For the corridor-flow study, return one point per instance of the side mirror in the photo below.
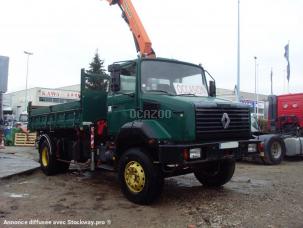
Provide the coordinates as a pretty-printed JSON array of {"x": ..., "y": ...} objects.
[
  {"x": 115, "y": 81},
  {"x": 212, "y": 88}
]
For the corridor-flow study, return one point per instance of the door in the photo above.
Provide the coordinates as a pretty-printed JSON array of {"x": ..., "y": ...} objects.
[{"x": 122, "y": 103}]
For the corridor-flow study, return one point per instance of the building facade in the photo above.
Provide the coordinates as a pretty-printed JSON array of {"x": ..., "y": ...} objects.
[
  {"x": 257, "y": 102},
  {"x": 39, "y": 97}
]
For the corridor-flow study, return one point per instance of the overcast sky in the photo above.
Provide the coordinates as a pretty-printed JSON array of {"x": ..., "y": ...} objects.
[{"x": 64, "y": 34}]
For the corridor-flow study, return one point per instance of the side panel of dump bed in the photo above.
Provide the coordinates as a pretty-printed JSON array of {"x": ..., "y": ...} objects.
[
  {"x": 91, "y": 107},
  {"x": 66, "y": 115}
]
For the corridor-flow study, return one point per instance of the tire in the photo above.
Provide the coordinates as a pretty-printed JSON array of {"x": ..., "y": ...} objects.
[
  {"x": 47, "y": 158},
  {"x": 141, "y": 181},
  {"x": 274, "y": 151},
  {"x": 216, "y": 174}
]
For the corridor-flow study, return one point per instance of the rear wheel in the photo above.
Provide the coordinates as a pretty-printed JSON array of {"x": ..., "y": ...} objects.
[
  {"x": 141, "y": 181},
  {"x": 274, "y": 151},
  {"x": 217, "y": 173},
  {"x": 47, "y": 158},
  {"x": 48, "y": 161}
]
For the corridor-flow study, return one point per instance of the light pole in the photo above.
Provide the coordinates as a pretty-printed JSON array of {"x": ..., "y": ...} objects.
[
  {"x": 257, "y": 89},
  {"x": 28, "y": 55},
  {"x": 255, "y": 84},
  {"x": 238, "y": 62}
]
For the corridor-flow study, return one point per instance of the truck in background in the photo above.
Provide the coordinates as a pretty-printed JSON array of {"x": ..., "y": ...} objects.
[
  {"x": 8, "y": 117},
  {"x": 23, "y": 119},
  {"x": 285, "y": 129}
]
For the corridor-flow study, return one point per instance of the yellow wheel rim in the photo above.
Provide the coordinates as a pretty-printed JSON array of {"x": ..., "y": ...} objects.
[
  {"x": 134, "y": 176},
  {"x": 44, "y": 157}
]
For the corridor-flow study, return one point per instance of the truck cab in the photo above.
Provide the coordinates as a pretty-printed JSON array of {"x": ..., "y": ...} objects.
[
  {"x": 172, "y": 97},
  {"x": 284, "y": 135}
]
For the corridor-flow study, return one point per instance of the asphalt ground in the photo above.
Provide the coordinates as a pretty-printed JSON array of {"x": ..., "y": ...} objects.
[{"x": 257, "y": 196}]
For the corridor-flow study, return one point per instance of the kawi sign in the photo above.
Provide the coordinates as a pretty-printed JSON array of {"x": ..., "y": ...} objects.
[{"x": 64, "y": 94}]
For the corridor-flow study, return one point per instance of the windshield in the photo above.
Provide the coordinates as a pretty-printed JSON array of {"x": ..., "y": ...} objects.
[{"x": 172, "y": 78}]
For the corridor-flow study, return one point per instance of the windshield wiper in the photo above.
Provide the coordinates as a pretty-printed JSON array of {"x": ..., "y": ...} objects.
[{"x": 158, "y": 90}]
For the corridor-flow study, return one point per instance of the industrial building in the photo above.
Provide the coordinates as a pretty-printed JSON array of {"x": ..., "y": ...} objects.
[
  {"x": 250, "y": 99},
  {"x": 17, "y": 101}
]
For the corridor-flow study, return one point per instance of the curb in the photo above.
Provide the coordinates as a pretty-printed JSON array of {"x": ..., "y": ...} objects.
[
  {"x": 29, "y": 171},
  {"x": 12, "y": 165}
]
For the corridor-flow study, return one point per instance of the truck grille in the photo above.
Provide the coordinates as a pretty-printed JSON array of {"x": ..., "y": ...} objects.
[{"x": 209, "y": 126}]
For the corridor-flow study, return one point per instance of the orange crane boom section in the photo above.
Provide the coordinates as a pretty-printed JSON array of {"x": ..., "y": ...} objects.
[{"x": 129, "y": 14}]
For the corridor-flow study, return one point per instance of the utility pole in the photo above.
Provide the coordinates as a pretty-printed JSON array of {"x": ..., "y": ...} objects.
[
  {"x": 1, "y": 121},
  {"x": 4, "y": 62},
  {"x": 255, "y": 84},
  {"x": 238, "y": 62},
  {"x": 1, "y": 107},
  {"x": 28, "y": 55},
  {"x": 271, "y": 89},
  {"x": 257, "y": 90}
]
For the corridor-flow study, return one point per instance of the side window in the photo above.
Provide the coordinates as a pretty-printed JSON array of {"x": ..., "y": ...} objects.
[
  {"x": 128, "y": 79},
  {"x": 128, "y": 82}
]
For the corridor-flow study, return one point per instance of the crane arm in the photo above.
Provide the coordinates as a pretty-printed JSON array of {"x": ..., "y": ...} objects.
[{"x": 129, "y": 14}]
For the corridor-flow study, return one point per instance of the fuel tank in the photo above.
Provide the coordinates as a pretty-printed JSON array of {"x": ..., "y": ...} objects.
[{"x": 294, "y": 146}]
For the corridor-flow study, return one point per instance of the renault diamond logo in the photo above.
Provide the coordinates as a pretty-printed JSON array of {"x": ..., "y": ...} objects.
[{"x": 225, "y": 120}]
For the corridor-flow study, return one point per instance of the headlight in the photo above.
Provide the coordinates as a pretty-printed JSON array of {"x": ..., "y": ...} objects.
[
  {"x": 195, "y": 153},
  {"x": 252, "y": 148}
]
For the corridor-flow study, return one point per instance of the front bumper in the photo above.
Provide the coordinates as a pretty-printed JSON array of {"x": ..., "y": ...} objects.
[{"x": 176, "y": 153}]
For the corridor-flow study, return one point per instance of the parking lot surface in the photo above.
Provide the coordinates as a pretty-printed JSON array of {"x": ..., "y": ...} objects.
[{"x": 257, "y": 196}]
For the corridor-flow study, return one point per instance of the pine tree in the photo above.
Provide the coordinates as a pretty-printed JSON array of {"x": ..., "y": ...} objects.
[{"x": 97, "y": 65}]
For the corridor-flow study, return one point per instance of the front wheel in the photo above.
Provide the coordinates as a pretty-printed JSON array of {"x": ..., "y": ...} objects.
[
  {"x": 141, "y": 181},
  {"x": 215, "y": 174}
]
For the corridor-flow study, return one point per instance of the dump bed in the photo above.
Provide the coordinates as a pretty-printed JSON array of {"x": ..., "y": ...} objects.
[{"x": 91, "y": 107}]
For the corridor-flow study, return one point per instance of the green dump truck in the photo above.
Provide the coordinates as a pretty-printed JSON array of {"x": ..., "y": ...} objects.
[{"x": 151, "y": 119}]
